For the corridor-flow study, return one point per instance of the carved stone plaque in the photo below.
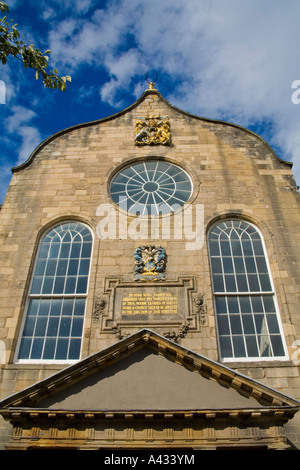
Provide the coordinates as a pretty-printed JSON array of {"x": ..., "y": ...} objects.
[{"x": 166, "y": 307}]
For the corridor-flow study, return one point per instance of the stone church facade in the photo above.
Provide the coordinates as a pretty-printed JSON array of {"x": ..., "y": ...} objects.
[{"x": 149, "y": 289}]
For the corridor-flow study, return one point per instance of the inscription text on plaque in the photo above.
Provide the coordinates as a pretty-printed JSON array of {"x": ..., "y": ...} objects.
[{"x": 149, "y": 303}]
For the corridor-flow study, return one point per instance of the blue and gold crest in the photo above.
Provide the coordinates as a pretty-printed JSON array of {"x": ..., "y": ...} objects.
[{"x": 150, "y": 263}]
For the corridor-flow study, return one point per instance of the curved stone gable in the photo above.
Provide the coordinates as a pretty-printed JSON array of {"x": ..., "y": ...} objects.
[{"x": 234, "y": 134}]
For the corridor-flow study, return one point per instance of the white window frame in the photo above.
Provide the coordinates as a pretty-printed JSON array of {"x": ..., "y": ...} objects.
[
  {"x": 228, "y": 294},
  {"x": 53, "y": 296}
]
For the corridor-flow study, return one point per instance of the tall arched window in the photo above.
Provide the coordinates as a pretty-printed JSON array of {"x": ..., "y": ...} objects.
[
  {"x": 247, "y": 316},
  {"x": 55, "y": 308}
]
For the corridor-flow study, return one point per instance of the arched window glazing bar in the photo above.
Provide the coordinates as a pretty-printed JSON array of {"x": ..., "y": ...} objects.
[
  {"x": 55, "y": 310},
  {"x": 248, "y": 323}
]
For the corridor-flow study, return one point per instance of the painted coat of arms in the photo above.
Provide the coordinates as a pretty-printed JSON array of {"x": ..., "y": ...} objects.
[
  {"x": 152, "y": 131},
  {"x": 150, "y": 263}
]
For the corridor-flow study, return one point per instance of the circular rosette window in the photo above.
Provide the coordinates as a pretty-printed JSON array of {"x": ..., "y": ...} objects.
[{"x": 150, "y": 188}]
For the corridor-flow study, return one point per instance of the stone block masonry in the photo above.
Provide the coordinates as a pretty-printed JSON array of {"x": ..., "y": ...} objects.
[{"x": 234, "y": 174}]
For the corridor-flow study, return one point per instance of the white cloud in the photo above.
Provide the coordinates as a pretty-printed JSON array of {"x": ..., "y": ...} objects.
[
  {"x": 108, "y": 91},
  {"x": 31, "y": 138},
  {"x": 28, "y": 136},
  {"x": 19, "y": 116},
  {"x": 75, "y": 41},
  {"x": 232, "y": 60},
  {"x": 5, "y": 177},
  {"x": 51, "y": 9},
  {"x": 121, "y": 69},
  {"x": 11, "y": 87}
]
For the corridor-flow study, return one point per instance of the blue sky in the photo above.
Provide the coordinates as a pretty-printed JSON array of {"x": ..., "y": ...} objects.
[{"x": 234, "y": 60}]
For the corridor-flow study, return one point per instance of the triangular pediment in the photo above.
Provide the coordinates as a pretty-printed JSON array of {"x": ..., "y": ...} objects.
[
  {"x": 144, "y": 381},
  {"x": 147, "y": 372}
]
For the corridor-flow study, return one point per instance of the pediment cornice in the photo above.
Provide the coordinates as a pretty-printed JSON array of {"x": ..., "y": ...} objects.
[{"x": 266, "y": 397}]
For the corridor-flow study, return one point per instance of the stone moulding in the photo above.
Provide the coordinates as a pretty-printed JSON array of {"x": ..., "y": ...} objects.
[
  {"x": 167, "y": 307},
  {"x": 37, "y": 425},
  {"x": 99, "y": 307},
  {"x": 39, "y": 416},
  {"x": 194, "y": 429}
]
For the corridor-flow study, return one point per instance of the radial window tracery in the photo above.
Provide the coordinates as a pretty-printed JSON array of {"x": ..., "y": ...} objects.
[{"x": 151, "y": 187}]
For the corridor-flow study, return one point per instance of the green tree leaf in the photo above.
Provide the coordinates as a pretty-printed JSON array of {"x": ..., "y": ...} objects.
[{"x": 31, "y": 56}]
